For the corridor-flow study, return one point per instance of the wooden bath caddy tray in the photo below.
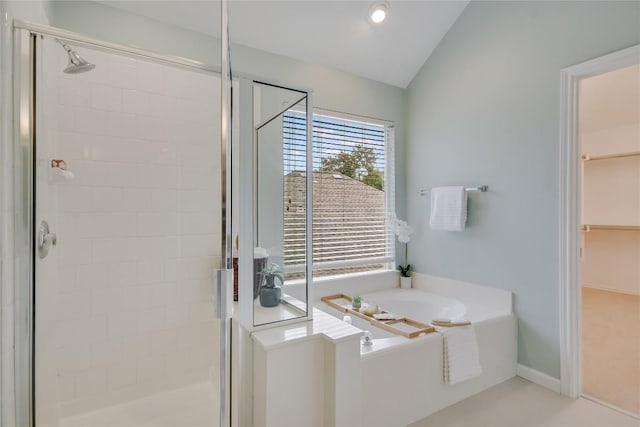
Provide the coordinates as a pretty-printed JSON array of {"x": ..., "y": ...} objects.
[{"x": 414, "y": 327}]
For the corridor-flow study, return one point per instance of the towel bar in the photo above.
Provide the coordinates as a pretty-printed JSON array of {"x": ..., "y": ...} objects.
[{"x": 480, "y": 189}]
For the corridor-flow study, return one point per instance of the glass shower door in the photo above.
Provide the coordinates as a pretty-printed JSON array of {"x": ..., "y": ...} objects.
[{"x": 127, "y": 220}]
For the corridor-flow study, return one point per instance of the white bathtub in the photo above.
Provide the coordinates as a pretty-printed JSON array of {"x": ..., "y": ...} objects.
[{"x": 402, "y": 377}]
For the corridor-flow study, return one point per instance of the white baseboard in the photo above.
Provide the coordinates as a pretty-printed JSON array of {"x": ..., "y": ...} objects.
[{"x": 538, "y": 377}]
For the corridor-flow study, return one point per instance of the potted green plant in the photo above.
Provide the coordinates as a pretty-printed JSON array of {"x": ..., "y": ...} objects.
[
  {"x": 270, "y": 293},
  {"x": 405, "y": 270},
  {"x": 356, "y": 302}
]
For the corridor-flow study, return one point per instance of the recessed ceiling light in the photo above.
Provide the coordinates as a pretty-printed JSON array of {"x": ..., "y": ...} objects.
[{"x": 378, "y": 12}]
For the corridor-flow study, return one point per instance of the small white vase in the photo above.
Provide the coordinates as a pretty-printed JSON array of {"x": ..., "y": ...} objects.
[{"x": 405, "y": 282}]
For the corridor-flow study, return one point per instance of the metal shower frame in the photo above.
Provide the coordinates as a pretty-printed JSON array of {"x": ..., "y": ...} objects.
[
  {"x": 25, "y": 35},
  {"x": 24, "y": 49}
]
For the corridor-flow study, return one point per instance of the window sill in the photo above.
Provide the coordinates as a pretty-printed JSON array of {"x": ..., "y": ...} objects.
[{"x": 340, "y": 277}]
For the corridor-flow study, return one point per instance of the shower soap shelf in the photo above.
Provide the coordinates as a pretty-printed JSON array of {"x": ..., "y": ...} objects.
[
  {"x": 58, "y": 174},
  {"x": 403, "y": 326},
  {"x": 58, "y": 171}
]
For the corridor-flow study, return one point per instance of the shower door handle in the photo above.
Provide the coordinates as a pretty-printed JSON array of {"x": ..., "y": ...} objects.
[
  {"x": 45, "y": 239},
  {"x": 224, "y": 295}
]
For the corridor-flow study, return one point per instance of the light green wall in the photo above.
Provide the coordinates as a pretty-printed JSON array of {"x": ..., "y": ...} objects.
[
  {"x": 118, "y": 26},
  {"x": 332, "y": 89},
  {"x": 484, "y": 109}
]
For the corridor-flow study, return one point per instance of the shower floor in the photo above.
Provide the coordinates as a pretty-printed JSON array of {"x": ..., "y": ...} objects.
[{"x": 192, "y": 406}]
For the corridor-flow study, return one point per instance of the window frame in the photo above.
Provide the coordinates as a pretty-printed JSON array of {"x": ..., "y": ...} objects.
[{"x": 388, "y": 261}]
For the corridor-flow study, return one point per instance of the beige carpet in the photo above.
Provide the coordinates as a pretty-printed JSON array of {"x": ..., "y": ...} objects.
[{"x": 611, "y": 348}]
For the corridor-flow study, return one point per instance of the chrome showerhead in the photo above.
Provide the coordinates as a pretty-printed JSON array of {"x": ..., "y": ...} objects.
[{"x": 77, "y": 64}]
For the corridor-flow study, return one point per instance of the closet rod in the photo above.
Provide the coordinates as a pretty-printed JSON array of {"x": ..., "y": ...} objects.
[
  {"x": 587, "y": 157},
  {"x": 589, "y": 227}
]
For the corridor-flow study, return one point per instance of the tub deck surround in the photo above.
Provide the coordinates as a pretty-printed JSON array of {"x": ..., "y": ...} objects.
[
  {"x": 290, "y": 308},
  {"x": 322, "y": 326},
  {"x": 307, "y": 373},
  {"x": 317, "y": 373}
]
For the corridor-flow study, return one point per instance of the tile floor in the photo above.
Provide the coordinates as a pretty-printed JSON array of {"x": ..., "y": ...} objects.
[
  {"x": 611, "y": 348},
  {"x": 520, "y": 403}
]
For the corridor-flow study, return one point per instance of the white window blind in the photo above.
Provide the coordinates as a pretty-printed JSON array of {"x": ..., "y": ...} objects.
[{"x": 352, "y": 194}]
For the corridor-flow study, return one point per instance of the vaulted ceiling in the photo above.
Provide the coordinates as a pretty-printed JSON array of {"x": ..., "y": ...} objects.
[{"x": 332, "y": 33}]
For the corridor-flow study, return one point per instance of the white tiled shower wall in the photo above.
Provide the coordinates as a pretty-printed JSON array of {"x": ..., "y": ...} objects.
[{"x": 124, "y": 304}]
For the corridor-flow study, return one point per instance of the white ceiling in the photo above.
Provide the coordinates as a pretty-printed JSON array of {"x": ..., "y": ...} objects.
[{"x": 332, "y": 33}]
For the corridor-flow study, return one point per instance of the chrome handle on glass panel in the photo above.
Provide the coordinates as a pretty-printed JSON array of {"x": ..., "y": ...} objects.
[
  {"x": 45, "y": 239},
  {"x": 223, "y": 294}
]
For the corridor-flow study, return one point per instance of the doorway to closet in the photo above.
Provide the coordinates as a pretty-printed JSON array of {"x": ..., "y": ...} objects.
[{"x": 609, "y": 133}]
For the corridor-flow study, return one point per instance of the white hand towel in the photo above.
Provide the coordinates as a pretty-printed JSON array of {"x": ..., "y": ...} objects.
[
  {"x": 448, "y": 208},
  {"x": 460, "y": 354}
]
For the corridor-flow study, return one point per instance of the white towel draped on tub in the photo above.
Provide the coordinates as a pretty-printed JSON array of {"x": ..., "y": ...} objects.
[
  {"x": 460, "y": 354},
  {"x": 448, "y": 208}
]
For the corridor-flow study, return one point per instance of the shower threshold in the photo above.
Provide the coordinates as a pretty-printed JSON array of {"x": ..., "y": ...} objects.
[{"x": 193, "y": 405}]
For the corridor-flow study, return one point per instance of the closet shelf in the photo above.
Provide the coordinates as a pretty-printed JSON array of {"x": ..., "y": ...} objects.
[
  {"x": 588, "y": 227},
  {"x": 587, "y": 157}
]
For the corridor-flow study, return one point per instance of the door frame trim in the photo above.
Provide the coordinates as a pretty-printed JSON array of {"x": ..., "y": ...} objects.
[{"x": 570, "y": 212}]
